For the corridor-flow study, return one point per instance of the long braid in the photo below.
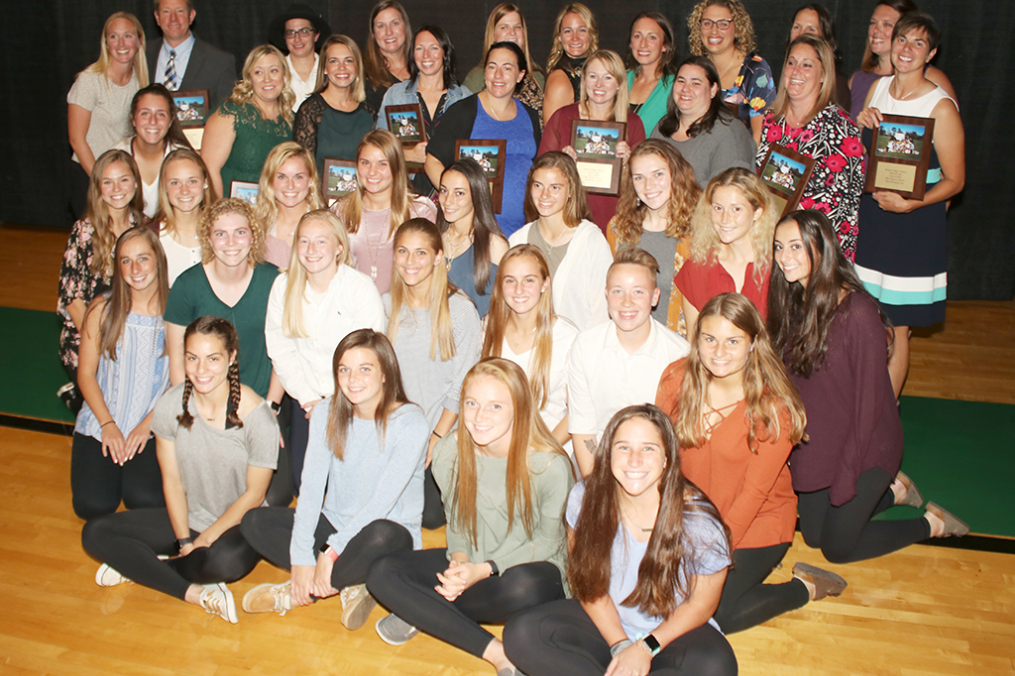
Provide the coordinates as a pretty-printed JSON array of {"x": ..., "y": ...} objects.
[
  {"x": 233, "y": 408},
  {"x": 186, "y": 418}
]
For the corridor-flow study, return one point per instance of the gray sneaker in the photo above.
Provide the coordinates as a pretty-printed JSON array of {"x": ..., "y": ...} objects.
[{"x": 393, "y": 630}]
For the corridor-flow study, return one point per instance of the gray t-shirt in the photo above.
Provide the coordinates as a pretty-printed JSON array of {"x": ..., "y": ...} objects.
[
  {"x": 554, "y": 254},
  {"x": 664, "y": 250},
  {"x": 729, "y": 144},
  {"x": 213, "y": 463}
]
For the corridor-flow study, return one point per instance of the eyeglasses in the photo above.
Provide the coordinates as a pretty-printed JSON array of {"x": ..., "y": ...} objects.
[
  {"x": 306, "y": 32},
  {"x": 721, "y": 24}
]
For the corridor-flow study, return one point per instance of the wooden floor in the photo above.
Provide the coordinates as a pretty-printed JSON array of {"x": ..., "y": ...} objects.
[{"x": 921, "y": 611}]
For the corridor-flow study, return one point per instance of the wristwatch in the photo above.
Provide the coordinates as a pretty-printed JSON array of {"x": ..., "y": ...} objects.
[
  {"x": 651, "y": 644},
  {"x": 329, "y": 551},
  {"x": 182, "y": 542}
]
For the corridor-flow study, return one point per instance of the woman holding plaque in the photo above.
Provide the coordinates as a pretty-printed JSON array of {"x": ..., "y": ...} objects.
[
  {"x": 575, "y": 36},
  {"x": 493, "y": 113},
  {"x": 806, "y": 120},
  {"x": 603, "y": 97},
  {"x": 507, "y": 24},
  {"x": 903, "y": 257}
]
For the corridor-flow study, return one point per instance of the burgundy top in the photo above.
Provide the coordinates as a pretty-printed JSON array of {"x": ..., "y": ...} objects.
[
  {"x": 852, "y": 418},
  {"x": 557, "y": 135},
  {"x": 699, "y": 282},
  {"x": 862, "y": 82}
]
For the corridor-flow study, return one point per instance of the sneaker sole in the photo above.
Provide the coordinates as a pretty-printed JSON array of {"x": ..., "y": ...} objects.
[
  {"x": 388, "y": 640},
  {"x": 231, "y": 616},
  {"x": 99, "y": 575},
  {"x": 355, "y": 617}
]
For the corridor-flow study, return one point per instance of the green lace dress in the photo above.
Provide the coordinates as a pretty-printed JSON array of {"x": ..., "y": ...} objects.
[{"x": 255, "y": 137}]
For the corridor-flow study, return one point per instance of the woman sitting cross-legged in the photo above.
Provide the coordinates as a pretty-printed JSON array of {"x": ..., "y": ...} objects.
[
  {"x": 362, "y": 495},
  {"x": 502, "y": 459},
  {"x": 217, "y": 444},
  {"x": 648, "y": 558}
]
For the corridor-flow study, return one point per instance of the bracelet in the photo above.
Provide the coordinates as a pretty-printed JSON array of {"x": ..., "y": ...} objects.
[
  {"x": 182, "y": 542},
  {"x": 436, "y": 435},
  {"x": 275, "y": 406},
  {"x": 108, "y": 422},
  {"x": 617, "y": 647},
  {"x": 494, "y": 570}
]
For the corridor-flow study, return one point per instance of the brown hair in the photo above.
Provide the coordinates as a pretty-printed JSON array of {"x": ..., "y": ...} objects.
[
  {"x": 870, "y": 60},
  {"x": 498, "y": 13},
  {"x": 632, "y": 255},
  {"x": 376, "y": 68},
  {"x": 166, "y": 214},
  {"x": 225, "y": 332},
  {"x": 576, "y": 209},
  {"x": 826, "y": 57},
  {"x": 684, "y": 194},
  {"x": 743, "y": 28},
  {"x": 97, "y": 213},
  {"x": 350, "y": 207}
]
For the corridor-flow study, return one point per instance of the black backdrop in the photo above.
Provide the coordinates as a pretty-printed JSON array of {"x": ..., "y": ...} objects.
[{"x": 44, "y": 43}]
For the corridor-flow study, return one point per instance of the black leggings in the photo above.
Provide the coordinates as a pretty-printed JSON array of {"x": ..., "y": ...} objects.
[
  {"x": 433, "y": 507},
  {"x": 560, "y": 639},
  {"x": 746, "y": 602},
  {"x": 296, "y": 441},
  {"x": 846, "y": 534},
  {"x": 269, "y": 530},
  {"x": 404, "y": 584},
  {"x": 130, "y": 543},
  {"x": 98, "y": 484},
  {"x": 280, "y": 490}
]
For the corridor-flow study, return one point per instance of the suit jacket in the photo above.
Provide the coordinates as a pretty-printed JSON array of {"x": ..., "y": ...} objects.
[{"x": 209, "y": 68}]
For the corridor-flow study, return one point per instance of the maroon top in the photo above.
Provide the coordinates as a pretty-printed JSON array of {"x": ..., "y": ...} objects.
[
  {"x": 852, "y": 418},
  {"x": 557, "y": 135},
  {"x": 700, "y": 282}
]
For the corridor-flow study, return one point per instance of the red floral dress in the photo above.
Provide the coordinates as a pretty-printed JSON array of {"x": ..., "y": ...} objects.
[{"x": 832, "y": 139}]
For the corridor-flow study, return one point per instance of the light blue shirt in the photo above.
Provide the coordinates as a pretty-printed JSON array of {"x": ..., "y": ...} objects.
[
  {"x": 183, "y": 51},
  {"x": 406, "y": 91}
]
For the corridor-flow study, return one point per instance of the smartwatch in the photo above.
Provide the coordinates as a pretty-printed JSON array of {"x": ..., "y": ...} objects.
[
  {"x": 182, "y": 542},
  {"x": 494, "y": 570},
  {"x": 651, "y": 644},
  {"x": 275, "y": 406},
  {"x": 329, "y": 551}
]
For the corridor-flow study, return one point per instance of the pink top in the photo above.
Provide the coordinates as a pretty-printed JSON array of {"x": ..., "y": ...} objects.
[{"x": 277, "y": 251}]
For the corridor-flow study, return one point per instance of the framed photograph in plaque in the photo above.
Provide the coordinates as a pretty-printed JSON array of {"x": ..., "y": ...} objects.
[
  {"x": 244, "y": 190},
  {"x": 785, "y": 173},
  {"x": 192, "y": 110},
  {"x": 406, "y": 123},
  {"x": 339, "y": 179},
  {"x": 489, "y": 154},
  {"x": 900, "y": 156},
  {"x": 595, "y": 143}
]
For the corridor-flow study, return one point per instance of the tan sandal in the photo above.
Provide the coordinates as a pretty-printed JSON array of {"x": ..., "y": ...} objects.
[
  {"x": 954, "y": 526},
  {"x": 826, "y": 583},
  {"x": 914, "y": 498}
]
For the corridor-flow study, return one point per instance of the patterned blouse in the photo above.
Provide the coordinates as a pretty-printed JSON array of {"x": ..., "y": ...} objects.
[
  {"x": 754, "y": 91},
  {"x": 833, "y": 141}
]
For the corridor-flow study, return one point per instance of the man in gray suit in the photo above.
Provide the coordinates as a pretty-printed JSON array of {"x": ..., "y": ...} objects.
[{"x": 181, "y": 61}]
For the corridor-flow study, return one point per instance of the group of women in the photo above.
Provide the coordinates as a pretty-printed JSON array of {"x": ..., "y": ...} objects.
[{"x": 397, "y": 358}]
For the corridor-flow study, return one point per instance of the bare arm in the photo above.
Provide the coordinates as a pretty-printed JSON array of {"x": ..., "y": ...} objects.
[
  {"x": 757, "y": 123},
  {"x": 433, "y": 168},
  {"x": 78, "y": 121},
  {"x": 559, "y": 93},
  {"x": 938, "y": 77},
  {"x": 216, "y": 147},
  {"x": 560, "y": 432},
  {"x": 584, "y": 452},
  {"x": 113, "y": 442},
  {"x": 172, "y": 488},
  {"x": 258, "y": 479},
  {"x": 498, "y": 247},
  {"x": 440, "y": 430},
  {"x": 174, "y": 348}
]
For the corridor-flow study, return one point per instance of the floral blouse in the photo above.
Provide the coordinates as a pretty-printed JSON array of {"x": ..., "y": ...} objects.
[
  {"x": 754, "y": 91},
  {"x": 77, "y": 281},
  {"x": 833, "y": 141}
]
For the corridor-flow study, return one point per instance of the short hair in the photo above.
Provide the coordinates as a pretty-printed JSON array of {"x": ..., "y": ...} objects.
[
  {"x": 917, "y": 21},
  {"x": 449, "y": 62},
  {"x": 190, "y": 5},
  {"x": 359, "y": 90},
  {"x": 633, "y": 255}
]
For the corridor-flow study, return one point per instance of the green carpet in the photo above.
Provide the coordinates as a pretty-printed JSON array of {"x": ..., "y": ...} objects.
[{"x": 961, "y": 454}]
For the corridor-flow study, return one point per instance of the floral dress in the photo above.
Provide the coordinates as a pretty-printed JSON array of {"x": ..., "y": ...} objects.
[{"x": 833, "y": 141}]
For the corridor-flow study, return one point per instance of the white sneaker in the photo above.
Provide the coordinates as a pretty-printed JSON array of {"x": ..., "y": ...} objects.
[
  {"x": 393, "y": 630},
  {"x": 218, "y": 600},
  {"x": 108, "y": 577},
  {"x": 356, "y": 606},
  {"x": 268, "y": 598}
]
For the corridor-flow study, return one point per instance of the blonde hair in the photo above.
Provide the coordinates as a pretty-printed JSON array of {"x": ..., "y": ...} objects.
[
  {"x": 614, "y": 66},
  {"x": 350, "y": 207},
  {"x": 557, "y": 50},
  {"x": 498, "y": 13},
  {"x": 359, "y": 91},
  {"x": 231, "y": 205},
  {"x": 139, "y": 63},
  {"x": 684, "y": 193},
  {"x": 500, "y": 312},
  {"x": 97, "y": 213},
  {"x": 743, "y": 28},
  {"x": 243, "y": 92},
  {"x": 442, "y": 338},
  {"x": 266, "y": 210},
  {"x": 826, "y": 57},
  {"x": 293, "y": 325},
  {"x": 704, "y": 240},
  {"x": 166, "y": 215},
  {"x": 529, "y": 434}
]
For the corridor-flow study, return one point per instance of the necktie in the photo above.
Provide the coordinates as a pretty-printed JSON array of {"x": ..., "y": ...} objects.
[{"x": 170, "y": 80}]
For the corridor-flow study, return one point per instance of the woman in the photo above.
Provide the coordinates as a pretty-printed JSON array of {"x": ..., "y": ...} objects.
[
  {"x": 522, "y": 327},
  {"x": 99, "y": 101},
  {"x": 877, "y": 55},
  {"x": 806, "y": 119},
  {"x": 648, "y": 554},
  {"x": 217, "y": 446},
  {"x": 123, "y": 371},
  {"x": 722, "y": 30},
  {"x": 575, "y": 36},
  {"x": 289, "y": 189},
  {"x": 815, "y": 19},
  {"x": 363, "y": 491},
  {"x": 436, "y": 334},
  {"x": 380, "y": 203},
  {"x": 114, "y": 206},
  {"x": 313, "y": 305},
  {"x": 575, "y": 249},
  {"x": 257, "y": 116},
  {"x": 185, "y": 193},
  {"x": 657, "y": 198},
  {"x": 507, "y": 24},
  {"x": 331, "y": 123},
  {"x": 432, "y": 82},
  {"x": 731, "y": 244},
  {"x": 389, "y": 51},
  {"x": 493, "y": 567},
  {"x": 603, "y": 96},
  {"x": 903, "y": 256},
  {"x": 701, "y": 127},
  {"x": 834, "y": 341},
  {"x": 651, "y": 54},
  {"x": 472, "y": 242},
  {"x": 157, "y": 132},
  {"x": 737, "y": 417}
]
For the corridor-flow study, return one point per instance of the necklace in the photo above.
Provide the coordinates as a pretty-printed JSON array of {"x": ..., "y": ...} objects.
[
  {"x": 733, "y": 59},
  {"x": 373, "y": 250},
  {"x": 630, "y": 520},
  {"x": 555, "y": 239},
  {"x": 452, "y": 249}
]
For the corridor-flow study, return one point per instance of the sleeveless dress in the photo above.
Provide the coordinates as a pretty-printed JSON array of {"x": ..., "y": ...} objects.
[
  {"x": 902, "y": 259},
  {"x": 255, "y": 137},
  {"x": 460, "y": 273}
]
